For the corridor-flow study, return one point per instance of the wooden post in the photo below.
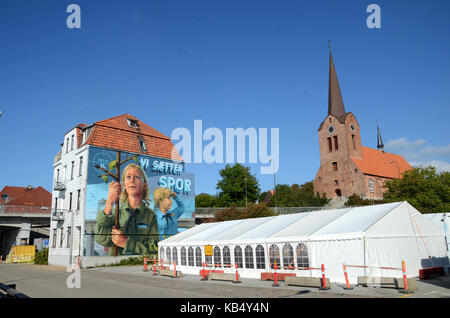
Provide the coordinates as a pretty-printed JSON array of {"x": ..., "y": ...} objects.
[{"x": 116, "y": 219}]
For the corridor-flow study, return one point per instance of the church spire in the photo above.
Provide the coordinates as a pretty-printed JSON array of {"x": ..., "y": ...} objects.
[
  {"x": 335, "y": 102},
  {"x": 380, "y": 145}
]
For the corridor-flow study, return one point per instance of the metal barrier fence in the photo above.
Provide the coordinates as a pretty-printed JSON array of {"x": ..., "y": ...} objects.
[{"x": 199, "y": 212}]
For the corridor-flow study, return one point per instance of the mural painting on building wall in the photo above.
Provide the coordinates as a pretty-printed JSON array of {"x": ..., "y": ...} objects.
[{"x": 152, "y": 195}]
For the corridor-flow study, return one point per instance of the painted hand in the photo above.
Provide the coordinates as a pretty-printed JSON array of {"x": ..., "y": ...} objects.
[{"x": 118, "y": 238}]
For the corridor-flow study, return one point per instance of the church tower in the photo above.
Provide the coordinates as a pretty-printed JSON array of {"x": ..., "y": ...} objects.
[
  {"x": 339, "y": 139},
  {"x": 347, "y": 167}
]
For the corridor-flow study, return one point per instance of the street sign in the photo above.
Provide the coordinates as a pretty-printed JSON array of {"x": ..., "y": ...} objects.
[{"x": 208, "y": 250}]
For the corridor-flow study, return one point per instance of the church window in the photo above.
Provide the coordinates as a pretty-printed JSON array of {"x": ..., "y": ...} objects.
[
  {"x": 371, "y": 185},
  {"x": 353, "y": 140},
  {"x": 336, "y": 146},
  {"x": 335, "y": 167},
  {"x": 330, "y": 145}
]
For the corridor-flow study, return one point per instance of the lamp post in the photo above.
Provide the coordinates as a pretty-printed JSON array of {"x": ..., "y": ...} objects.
[
  {"x": 245, "y": 190},
  {"x": 274, "y": 186}
]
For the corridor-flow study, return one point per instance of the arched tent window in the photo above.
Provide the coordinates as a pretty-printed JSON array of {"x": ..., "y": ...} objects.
[
  {"x": 226, "y": 256},
  {"x": 217, "y": 257},
  {"x": 198, "y": 257},
  {"x": 238, "y": 256},
  {"x": 274, "y": 255},
  {"x": 175, "y": 255},
  {"x": 288, "y": 256},
  {"x": 249, "y": 257},
  {"x": 208, "y": 260},
  {"x": 183, "y": 256},
  {"x": 302, "y": 255},
  {"x": 161, "y": 253},
  {"x": 191, "y": 256},
  {"x": 168, "y": 256},
  {"x": 260, "y": 259}
]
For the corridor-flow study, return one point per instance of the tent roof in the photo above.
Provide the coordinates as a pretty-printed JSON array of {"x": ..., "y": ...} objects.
[{"x": 392, "y": 219}]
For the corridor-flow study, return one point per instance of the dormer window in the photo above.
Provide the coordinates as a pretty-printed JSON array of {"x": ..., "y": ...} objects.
[
  {"x": 86, "y": 133},
  {"x": 142, "y": 144},
  {"x": 133, "y": 123}
]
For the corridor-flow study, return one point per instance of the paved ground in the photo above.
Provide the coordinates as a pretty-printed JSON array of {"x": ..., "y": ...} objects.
[{"x": 40, "y": 281}]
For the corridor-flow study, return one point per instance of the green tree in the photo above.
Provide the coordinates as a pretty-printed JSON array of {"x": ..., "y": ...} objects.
[
  {"x": 295, "y": 195},
  {"x": 252, "y": 211},
  {"x": 283, "y": 196},
  {"x": 236, "y": 186},
  {"x": 423, "y": 188},
  {"x": 356, "y": 200},
  {"x": 304, "y": 195},
  {"x": 205, "y": 200}
]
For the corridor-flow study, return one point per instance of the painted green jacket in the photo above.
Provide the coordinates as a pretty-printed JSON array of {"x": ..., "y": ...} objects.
[{"x": 140, "y": 226}]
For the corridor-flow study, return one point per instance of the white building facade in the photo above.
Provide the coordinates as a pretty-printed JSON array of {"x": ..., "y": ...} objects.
[
  {"x": 79, "y": 191},
  {"x": 68, "y": 200}
]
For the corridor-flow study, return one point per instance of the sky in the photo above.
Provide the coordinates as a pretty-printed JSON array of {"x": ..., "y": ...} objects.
[{"x": 229, "y": 63}]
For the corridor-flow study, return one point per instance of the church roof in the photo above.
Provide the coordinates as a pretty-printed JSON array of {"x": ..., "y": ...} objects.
[
  {"x": 383, "y": 164},
  {"x": 335, "y": 102}
]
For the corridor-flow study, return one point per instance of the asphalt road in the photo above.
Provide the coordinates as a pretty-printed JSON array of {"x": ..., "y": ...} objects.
[{"x": 39, "y": 281}]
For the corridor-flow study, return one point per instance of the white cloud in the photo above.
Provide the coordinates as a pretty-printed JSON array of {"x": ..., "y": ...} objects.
[
  {"x": 439, "y": 165},
  {"x": 436, "y": 151},
  {"x": 420, "y": 154},
  {"x": 403, "y": 144}
]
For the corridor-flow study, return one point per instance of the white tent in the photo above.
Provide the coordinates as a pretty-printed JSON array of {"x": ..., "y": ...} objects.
[
  {"x": 442, "y": 221},
  {"x": 377, "y": 236}
]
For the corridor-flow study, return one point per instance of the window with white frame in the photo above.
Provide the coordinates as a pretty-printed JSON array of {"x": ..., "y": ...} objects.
[
  {"x": 198, "y": 257},
  {"x": 69, "y": 236},
  {"x": 217, "y": 257},
  {"x": 302, "y": 255},
  {"x": 208, "y": 260},
  {"x": 226, "y": 256},
  {"x": 288, "y": 256},
  {"x": 161, "y": 253},
  {"x": 191, "y": 256},
  {"x": 174, "y": 255},
  {"x": 248, "y": 251},
  {"x": 274, "y": 255},
  {"x": 168, "y": 255},
  {"x": 80, "y": 170},
  {"x": 78, "y": 199},
  {"x": 260, "y": 257},
  {"x": 54, "y": 238},
  {"x": 61, "y": 238},
  {"x": 71, "y": 170},
  {"x": 238, "y": 256},
  {"x": 183, "y": 256}
]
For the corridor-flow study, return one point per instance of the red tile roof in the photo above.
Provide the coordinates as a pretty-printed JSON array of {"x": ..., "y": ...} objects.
[
  {"x": 115, "y": 133},
  {"x": 26, "y": 196},
  {"x": 383, "y": 164}
]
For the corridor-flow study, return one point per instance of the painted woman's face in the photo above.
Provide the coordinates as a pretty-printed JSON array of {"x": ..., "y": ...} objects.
[
  {"x": 165, "y": 204},
  {"x": 133, "y": 182}
]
